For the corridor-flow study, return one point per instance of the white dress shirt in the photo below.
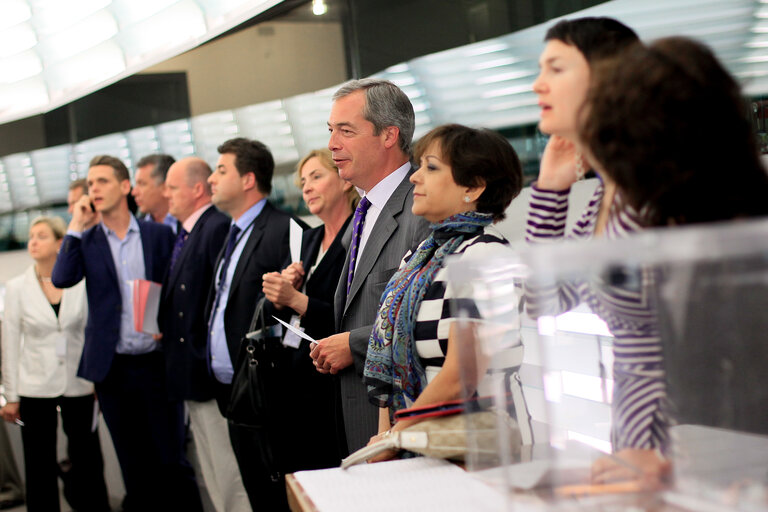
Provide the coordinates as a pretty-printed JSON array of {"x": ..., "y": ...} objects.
[{"x": 378, "y": 196}]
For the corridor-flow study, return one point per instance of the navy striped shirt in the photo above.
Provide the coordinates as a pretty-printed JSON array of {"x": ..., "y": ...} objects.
[{"x": 639, "y": 391}]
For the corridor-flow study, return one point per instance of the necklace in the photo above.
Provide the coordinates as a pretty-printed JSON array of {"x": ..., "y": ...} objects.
[{"x": 42, "y": 278}]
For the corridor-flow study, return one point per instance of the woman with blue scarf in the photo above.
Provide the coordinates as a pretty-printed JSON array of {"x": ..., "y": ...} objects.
[{"x": 466, "y": 180}]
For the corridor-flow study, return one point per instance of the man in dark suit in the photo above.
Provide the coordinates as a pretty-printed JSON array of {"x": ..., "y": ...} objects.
[
  {"x": 202, "y": 234},
  {"x": 371, "y": 125},
  {"x": 126, "y": 365},
  {"x": 258, "y": 242}
]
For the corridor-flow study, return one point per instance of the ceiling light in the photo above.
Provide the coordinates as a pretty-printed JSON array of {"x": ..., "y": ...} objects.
[{"x": 319, "y": 7}]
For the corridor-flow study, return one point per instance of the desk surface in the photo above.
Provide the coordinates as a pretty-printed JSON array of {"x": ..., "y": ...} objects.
[{"x": 297, "y": 498}]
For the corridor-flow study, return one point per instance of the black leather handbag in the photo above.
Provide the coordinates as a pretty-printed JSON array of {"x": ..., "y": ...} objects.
[{"x": 258, "y": 369}]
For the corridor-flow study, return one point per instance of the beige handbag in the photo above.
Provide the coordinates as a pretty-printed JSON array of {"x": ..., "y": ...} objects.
[{"x": 449, "y": 437}]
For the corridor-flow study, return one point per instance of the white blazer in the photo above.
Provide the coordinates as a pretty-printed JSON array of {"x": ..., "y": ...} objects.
[{"x": 31, "y": 333}]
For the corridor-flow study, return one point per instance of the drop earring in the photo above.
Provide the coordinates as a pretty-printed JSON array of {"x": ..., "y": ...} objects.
[{"x": 580, "y": 170}]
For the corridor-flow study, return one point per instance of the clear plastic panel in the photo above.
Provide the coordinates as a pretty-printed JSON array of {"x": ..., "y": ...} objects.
[{"x": 643, "y": 372}]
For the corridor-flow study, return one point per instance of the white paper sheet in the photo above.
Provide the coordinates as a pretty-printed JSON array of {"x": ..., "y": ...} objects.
[
  {"x": 296, "y": 331},
  {"x": 295, "y": 241},
  {"x": 421, "y": 483}
]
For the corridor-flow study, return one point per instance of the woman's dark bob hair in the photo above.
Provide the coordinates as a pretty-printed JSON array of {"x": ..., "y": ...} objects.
[
  {"x": 595, "y": 38},
  {"x": 478, "y": 157},
  {"x": 669, "y": 126}
]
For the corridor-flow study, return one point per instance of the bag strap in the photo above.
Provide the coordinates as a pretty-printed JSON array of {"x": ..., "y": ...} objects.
[{"x": 258, "y": 324}]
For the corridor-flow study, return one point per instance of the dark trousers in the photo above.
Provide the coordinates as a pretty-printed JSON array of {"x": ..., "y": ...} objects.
[
  {"x": 257, "y": 461},
  {"x": 148, "y": 433},
  {"x": 86, "y": 476}
]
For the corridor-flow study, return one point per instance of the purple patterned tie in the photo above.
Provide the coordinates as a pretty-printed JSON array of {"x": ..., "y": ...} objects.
[
  {"x": 180, "y": 239},
  {"x": 357, "y": 231}
]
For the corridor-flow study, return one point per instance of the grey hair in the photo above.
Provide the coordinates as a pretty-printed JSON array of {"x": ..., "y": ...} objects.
[
  {"x": 385, "y": 105},
  {"x": 161, "y": 162}
]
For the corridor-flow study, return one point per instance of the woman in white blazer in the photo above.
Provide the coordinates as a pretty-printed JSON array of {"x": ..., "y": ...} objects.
[{"x": 43, "y": 334}]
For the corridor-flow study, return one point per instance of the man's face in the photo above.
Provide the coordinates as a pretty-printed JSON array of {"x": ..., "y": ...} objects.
[
  {"x": 104, "y": 190},
  {"x": 148, "y": 192},
  {"x": 72, "y": 197},
  {"x": 180, "y": 196},
  {"x": 227, "y": 185},
  {"x": 357, "y": 152}
]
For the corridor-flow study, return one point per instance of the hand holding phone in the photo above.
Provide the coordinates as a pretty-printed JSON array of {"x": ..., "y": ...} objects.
[{"x": 83, "y": 214}]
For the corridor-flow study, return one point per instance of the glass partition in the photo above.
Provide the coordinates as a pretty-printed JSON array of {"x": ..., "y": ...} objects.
[{"x": 643, "y": 370}]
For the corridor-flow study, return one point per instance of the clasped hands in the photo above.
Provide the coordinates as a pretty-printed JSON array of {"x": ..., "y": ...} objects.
[{"x": 282, "y": 288}]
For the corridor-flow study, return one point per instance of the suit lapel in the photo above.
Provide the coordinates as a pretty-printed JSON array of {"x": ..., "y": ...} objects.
[
  {"x": 385, "y": 226},
  {"x": 311, "y": 245},
  {"x": 146, "y": 244},
  {"x": 334, "y": 250},
  {"x": 253, "y": 240},
  {"x": 100, "y": 241},
  {"x": 176, "y": 271},
  {"x": 42, "y": 308}
]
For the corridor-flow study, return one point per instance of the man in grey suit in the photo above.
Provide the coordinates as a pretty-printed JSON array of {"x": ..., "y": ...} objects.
[{"x": 371, "y": 126}]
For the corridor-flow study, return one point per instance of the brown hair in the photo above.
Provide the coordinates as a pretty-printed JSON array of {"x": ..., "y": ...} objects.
[
  {"x": 669, "y": 126},
  {"x": 479, "y": 157},
  {"x": 117, "y": 165},
  {"x": 251, "y": 156},
  {"x": 326, "y": 158}
]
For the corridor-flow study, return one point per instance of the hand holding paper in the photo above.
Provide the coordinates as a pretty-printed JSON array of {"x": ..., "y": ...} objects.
[{"x": 298, "y": 332}]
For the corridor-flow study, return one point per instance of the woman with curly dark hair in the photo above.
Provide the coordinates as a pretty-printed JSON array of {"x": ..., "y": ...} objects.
[
  {"x": 665, "y": 127},
  {"x": 669, "y": 126}
]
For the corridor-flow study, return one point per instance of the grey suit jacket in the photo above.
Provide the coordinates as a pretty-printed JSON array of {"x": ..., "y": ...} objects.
[{"x": 396, "y": 231}]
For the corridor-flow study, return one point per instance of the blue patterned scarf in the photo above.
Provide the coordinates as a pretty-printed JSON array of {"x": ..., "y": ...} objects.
[{"x": 393, "y": 371}]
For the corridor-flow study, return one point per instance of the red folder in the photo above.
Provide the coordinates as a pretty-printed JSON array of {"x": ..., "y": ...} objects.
[{"x": 146, "y": 304}]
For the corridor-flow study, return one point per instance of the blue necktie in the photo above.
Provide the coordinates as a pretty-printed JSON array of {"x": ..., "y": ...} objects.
[
  {"x": 180, "y": 239},
  {"x": 357, "y": 230},
  {"x": 231, "y": 242}
]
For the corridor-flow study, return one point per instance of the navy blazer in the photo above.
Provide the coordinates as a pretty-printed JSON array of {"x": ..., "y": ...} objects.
[
  {"x": 182, "y": 317},
  {"x": 91, "y": 258}
]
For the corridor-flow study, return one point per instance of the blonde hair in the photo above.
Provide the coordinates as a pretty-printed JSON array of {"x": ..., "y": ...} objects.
[
  {"x": 56, "y": 224},
  {"x": 326, "y": 158}
]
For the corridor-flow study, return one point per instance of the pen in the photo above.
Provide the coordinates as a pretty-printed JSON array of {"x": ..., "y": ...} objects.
[{"x": 19, "y": 422}]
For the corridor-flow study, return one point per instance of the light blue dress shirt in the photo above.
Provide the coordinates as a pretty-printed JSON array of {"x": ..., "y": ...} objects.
[
  {"x": 128, "y": 257},
  {"x": 169, "y": 220},
  {"x": 221, "y": 363}
]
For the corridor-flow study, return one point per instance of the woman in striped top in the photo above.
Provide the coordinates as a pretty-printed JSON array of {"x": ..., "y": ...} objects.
[
  {"x": 664, "y": 157},
  {"x": 466, "y": 180},
  {"x": 574, "y": 48}
]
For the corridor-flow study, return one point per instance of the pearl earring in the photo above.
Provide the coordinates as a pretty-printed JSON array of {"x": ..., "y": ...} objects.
[{"x": 467, "y": 199}]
